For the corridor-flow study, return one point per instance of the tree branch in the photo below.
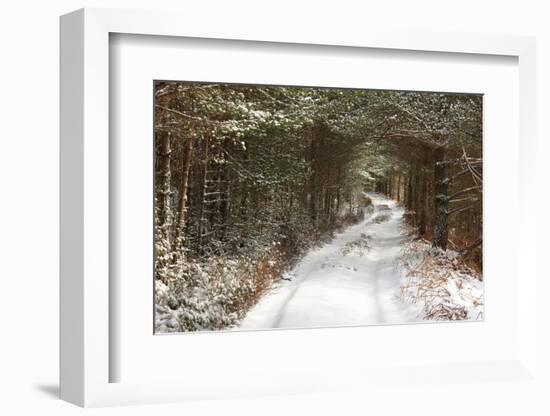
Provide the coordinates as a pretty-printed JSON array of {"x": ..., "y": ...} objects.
[
  {"x": 463, "y": 191},
  {"x": 465, "y": 208},
  {"x": 471, "y": 246},
  {"x": 179, "y": 113},
  {"x": 475, "y": 174}
]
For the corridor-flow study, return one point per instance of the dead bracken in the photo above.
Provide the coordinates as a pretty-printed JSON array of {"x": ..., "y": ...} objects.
[{"x": 449, "y": 289}]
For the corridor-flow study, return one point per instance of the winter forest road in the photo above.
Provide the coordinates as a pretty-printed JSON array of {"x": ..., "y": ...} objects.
[{"x": 353, "y": 280}]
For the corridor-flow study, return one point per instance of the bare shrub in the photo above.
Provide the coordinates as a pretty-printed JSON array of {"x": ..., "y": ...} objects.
[
  {"x": 442, "y": 281},
  {"x": 442, "y": 312}
]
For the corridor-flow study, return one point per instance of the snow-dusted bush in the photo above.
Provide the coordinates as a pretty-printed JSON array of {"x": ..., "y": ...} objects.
[{"x": 215, "y": 294}]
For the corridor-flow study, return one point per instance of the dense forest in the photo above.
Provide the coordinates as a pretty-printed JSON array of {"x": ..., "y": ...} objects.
[{"x": 249, "y": 178}]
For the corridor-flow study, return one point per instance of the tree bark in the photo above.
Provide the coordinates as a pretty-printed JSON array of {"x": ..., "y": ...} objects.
[
  {"x": 201, "y": 228},
  {"x": 410, "y": 187},
  {"x": 184, "y": 185},
  {"x": 422, "y": 204},
  {"x": 399, "y": 188},
  {"x": 417, "y": 193},
  {"x": 441, "y": 188},
  {"x": 164, "y": 191}
]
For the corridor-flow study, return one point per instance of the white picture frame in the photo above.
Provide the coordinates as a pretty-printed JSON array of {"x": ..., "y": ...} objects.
[{"x": 85, "y": 164}]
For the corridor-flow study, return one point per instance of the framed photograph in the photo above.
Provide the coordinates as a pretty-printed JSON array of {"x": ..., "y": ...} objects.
[
  {"x": 281, "y": 213},
  {"x": 304, "y": 207}
]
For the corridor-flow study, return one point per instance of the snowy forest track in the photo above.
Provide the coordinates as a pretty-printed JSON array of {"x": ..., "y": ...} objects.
[{"x": 352, "y": 280}]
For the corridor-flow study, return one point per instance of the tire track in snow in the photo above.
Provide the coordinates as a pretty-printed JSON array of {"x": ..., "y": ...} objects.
[{"x": 332, "y": 288}]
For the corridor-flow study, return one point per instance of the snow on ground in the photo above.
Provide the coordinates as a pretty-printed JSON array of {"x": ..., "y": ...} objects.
[
  {"x": 370, "y": 274},
  {"x": 353, "y": 280}
]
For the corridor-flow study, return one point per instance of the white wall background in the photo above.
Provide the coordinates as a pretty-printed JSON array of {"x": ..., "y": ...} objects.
[{"x": 29, "y": 198}]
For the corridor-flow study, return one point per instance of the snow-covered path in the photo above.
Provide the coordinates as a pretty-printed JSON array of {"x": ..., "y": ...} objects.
[{"x": 353, "y": 280}]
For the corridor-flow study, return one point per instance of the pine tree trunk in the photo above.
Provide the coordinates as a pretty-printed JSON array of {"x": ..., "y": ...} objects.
[
  {"x": 398, "y": 188},
  {"x": 417, "y": 193},
  {"x": 225, "y": 207},
  {"x": 409, "y": 198},
  {"x": 441, "y": 201},
  {"x": 184, "y": 185},
  {"x": 422, "y": 208},
  {"x": 203, "y": 192},
  {"x": 164, "y": 191}
]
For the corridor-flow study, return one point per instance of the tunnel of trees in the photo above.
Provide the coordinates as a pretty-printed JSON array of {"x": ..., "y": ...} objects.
[{"x": 251, "y": 176}]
